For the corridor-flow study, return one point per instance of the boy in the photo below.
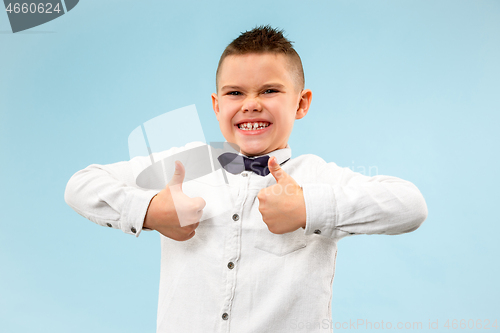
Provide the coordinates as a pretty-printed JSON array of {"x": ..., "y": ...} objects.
[{"x": 268, "y": 264}]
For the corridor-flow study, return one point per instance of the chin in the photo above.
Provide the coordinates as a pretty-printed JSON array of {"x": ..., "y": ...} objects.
[{"x": 252, "y": 151}]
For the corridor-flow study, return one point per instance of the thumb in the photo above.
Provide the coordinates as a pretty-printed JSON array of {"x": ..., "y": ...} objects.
[
  {"x": 178, "y": 176},
  {"x": 276, "y": 170}
]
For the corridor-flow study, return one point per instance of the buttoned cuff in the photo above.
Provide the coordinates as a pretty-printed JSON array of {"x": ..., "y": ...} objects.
[
  {"x": 321, "y": 214},
  {"x": 136, "y": 206}
]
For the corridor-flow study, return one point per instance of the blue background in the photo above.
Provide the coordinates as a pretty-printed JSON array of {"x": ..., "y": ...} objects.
[{"x": 408, "y": 87}]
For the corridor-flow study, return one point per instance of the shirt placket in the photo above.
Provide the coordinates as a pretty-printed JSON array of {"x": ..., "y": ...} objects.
[{"x": 233, "y": 250}]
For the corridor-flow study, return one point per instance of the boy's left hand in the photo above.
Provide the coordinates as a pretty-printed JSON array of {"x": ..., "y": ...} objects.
[{"x": 282, "y": 205}]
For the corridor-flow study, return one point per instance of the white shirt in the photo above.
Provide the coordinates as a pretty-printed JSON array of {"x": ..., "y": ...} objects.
[{"x": 235, "y": 275}]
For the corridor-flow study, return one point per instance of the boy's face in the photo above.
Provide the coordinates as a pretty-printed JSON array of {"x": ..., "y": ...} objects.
[{"x": 258, "y": 101}]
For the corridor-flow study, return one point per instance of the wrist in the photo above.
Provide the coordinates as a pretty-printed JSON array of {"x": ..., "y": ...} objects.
[{"x": 148, "y": 217}]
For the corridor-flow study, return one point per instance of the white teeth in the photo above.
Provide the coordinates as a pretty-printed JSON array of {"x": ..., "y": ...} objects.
[{"x": 252, "y": 126}]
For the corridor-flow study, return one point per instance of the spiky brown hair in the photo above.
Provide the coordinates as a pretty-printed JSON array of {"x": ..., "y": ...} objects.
[{"x": 265, "y": 39}]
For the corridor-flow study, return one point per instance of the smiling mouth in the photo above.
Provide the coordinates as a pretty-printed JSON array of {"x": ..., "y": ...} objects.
[{"x": 253, "y": 126}]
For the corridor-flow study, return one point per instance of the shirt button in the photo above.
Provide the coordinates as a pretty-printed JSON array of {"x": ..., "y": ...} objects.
[
  {"x": 225, "y": 316},
  {"x": 133, "y": 230},
  {"x": 244, "y": 174},
  {"x": 230, "y": 265},
  {"x": 236, "y": 217},
  {"x": 317, "y": 232},
  {"x": 109, "y": 225}
]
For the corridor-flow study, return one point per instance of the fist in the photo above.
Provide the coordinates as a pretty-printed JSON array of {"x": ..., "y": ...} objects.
[
  {"x": 282, "y": 205},
  {"x": 171, "y": 212}
]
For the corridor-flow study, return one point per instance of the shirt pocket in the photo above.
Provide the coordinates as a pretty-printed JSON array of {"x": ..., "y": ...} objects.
[{"x": 280, "y": 244}]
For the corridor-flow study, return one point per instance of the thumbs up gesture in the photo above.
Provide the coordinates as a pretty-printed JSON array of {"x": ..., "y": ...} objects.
[
  {"x": 171, "y": 212},
  {"x": 282, "y": 205}
]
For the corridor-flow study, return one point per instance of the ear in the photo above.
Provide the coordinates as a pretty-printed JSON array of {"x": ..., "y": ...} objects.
[
  {"x": 215, "y": 105},
  {"x": 304, "y": 103}
]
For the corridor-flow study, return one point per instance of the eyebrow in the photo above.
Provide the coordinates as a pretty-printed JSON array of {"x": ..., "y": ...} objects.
[{"x": 265, "y": 86}]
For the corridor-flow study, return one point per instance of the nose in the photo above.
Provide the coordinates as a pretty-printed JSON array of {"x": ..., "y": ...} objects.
[{"x": 251, "y": 104}]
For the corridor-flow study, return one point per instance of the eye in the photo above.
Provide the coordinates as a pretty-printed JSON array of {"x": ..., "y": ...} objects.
[
  {"x": 270, "y": 91},
  {"x": 234, "y": 93}
]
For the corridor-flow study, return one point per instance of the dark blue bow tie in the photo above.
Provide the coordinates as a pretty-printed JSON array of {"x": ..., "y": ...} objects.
[{"x": 235, "y": 163}]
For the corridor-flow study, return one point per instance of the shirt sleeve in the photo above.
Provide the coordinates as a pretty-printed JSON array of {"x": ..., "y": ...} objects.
[
  {"x": 109, "y": 196},
  {"x": 344, "y": 202}
]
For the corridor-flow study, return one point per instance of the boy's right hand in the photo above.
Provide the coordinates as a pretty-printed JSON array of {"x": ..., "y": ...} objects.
[{"x": 171, "y": 212}]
